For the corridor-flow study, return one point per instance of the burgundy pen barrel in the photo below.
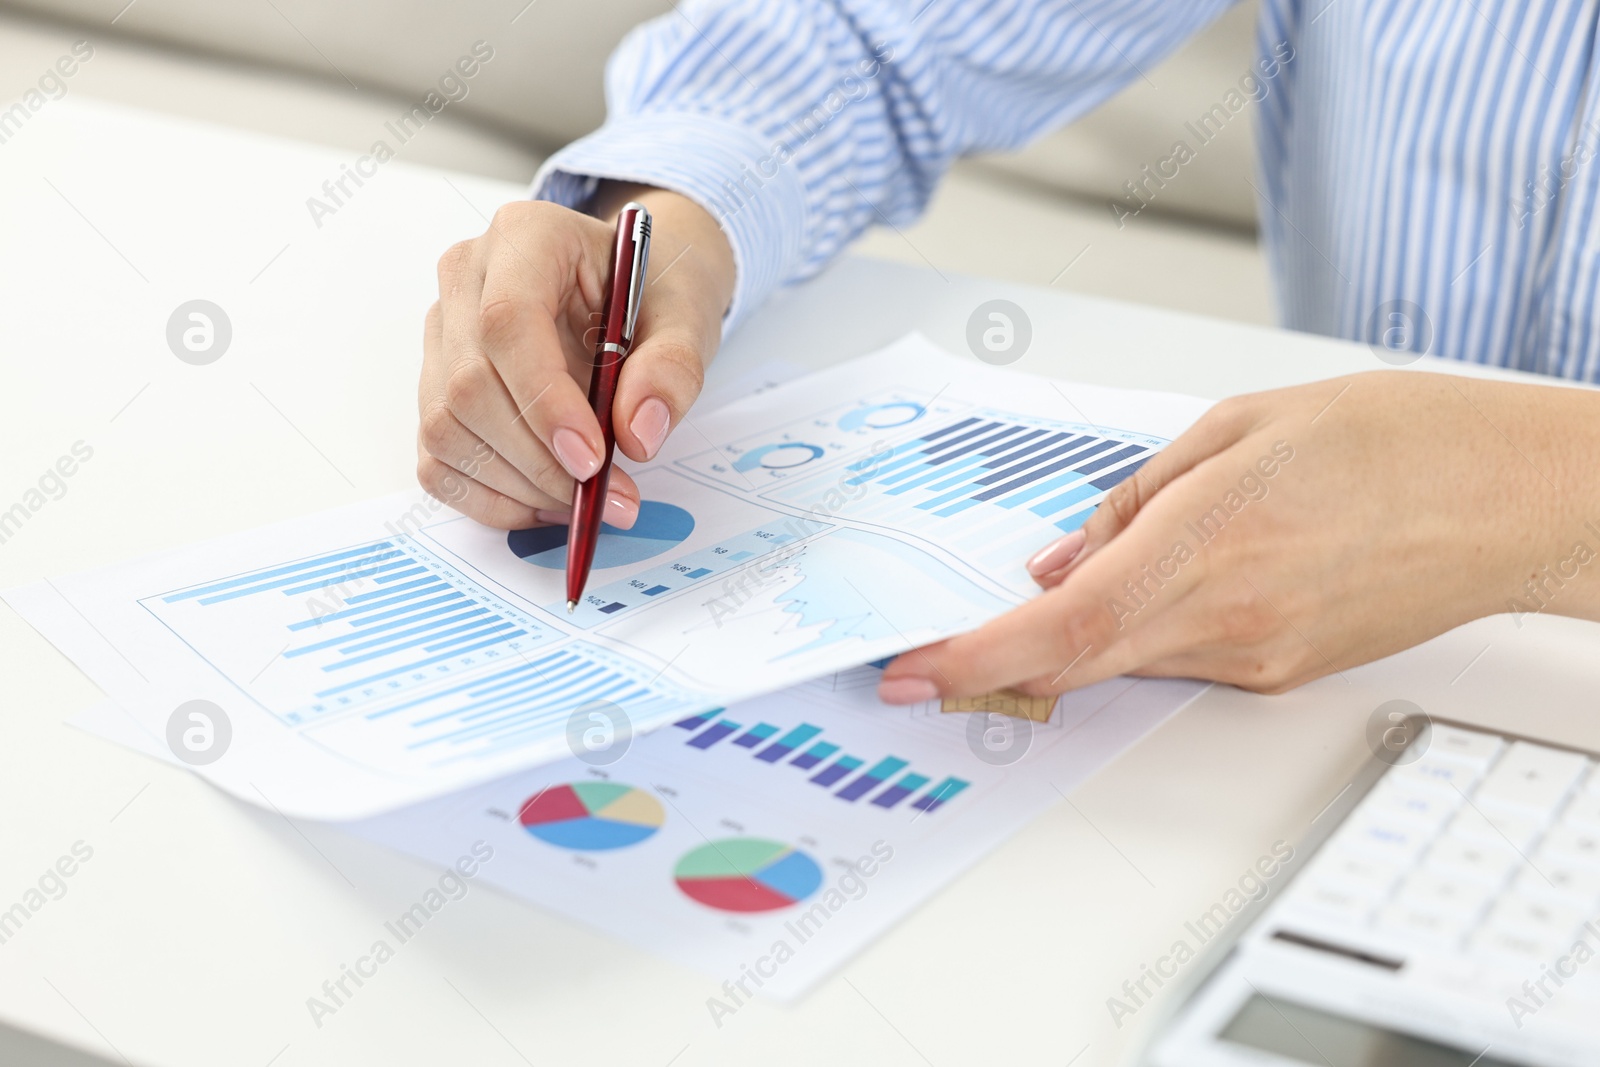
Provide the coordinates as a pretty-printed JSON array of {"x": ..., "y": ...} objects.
[
  {"x": 589, "y": 497},
  {"x": 629, "y": 258}
]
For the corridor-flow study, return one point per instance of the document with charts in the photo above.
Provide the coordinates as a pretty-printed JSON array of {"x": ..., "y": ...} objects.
[
  {"x": 765, "y": 843},
  {"x": 392, "y": 651}
]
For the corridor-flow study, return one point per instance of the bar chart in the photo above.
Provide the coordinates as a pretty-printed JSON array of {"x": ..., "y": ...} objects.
[
  {"x": 800, "y": 749},
  {"x": 361, "y": 623},
  {"x": 988, "y": 486},
  {"x": 972, "y": 461},
  {"x": 401, "y": 653}
]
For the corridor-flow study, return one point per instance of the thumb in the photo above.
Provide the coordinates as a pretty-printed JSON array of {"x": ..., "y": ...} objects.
[
  {"x": 679, "y": 329},
  {"x": 660, "y": 380}
]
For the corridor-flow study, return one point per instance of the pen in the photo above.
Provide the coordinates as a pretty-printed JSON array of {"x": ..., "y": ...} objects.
[{"x": 630, "y": 255}]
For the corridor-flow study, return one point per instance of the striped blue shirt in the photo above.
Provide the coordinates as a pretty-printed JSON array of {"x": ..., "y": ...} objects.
[{"x": 1427, "y": 175}]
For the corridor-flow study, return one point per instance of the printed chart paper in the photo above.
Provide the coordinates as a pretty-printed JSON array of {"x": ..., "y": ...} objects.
[
  {"x": 767, "y": 842},
  {"x": 382, "y": 654}
]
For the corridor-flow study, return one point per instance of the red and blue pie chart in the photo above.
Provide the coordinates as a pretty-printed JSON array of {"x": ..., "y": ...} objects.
[
  {"x": 747, "y": 874},
  {"x": 659, "y": 527},
  {"x": 592, "y": 816}
]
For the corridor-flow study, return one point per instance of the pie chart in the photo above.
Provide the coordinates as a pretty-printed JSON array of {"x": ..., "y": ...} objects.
[
  {"x": 747, "y": 874},
  {"x": 592, "y": 816},
  {"x": 659, "y": 527}
]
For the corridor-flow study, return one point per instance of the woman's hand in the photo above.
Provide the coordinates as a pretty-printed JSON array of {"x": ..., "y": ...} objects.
[
  {"x": 505, "y": 421},
  {"x": 1300, "y": 532}
]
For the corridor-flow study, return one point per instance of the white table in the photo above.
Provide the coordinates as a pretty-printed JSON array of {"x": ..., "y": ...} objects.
[{"x": 200, "y": 926}]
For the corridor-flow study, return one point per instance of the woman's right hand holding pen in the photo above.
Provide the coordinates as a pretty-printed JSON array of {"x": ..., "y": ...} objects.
[{"x": 505, "y": 425}]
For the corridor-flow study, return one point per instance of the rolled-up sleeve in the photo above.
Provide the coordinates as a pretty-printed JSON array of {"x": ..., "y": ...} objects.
[{"x": 799, "y": 123}]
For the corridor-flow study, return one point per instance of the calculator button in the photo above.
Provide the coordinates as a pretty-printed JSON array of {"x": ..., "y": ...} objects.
[
  {"x": 1468, "y": 746},
  {"x": 1486, "y": 863},
  {"x": 1387, "y": 840},
  {"x": 1447, "y": 776},
  {"x": 1554, "y": 923},
  {"x": 1512, "y": 947},
  {"x": 1354, "y": 874},
  {"x": 1583, "y": 811},
  {"x": 1576, "y": 886},
  {"x": 1515, "y": 828},
  {"x": 1569, "y": 844},
  {"x": 1344, "y": 907},
  {"x": 1422, "y": 926},
  {"x": 1531, "y": 777},
  {"x": 1429, "y": 890},
  {"x": 1402, "y": 801}
]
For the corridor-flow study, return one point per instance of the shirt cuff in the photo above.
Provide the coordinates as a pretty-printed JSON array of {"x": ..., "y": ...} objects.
[{"x": 754, "y": 195}]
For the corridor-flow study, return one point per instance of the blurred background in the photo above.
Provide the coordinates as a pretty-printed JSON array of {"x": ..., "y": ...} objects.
[{"x": 335, "y": 73}]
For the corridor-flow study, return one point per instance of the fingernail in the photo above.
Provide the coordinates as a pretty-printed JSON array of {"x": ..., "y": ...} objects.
[
  {"x": 650, "y": 424},
  {"x": 575, "y": 454},
  {"x": 620, "y": 511},
  {"x": 1056, "y": 554},
  {"x": 554, "y": 518},
  {"x": 906, "y": 690}
]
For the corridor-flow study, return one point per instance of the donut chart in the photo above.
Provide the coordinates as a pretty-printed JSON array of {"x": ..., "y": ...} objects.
[
  {"x": 591, "y": 816},
  {"x": 882, "y": 416},
  {"x": 779, "y": 455},
  {"x": 747, "y": 874}
]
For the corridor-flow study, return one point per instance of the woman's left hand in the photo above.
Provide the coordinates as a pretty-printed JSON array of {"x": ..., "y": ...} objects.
[{"x": 1296, "y": 533}]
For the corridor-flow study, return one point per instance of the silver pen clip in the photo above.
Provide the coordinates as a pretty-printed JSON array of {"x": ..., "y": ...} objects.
[{"x": 641, "y": 263}]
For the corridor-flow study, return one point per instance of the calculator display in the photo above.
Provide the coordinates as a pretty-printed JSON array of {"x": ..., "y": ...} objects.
[{"x": 1306, "y": 1035}]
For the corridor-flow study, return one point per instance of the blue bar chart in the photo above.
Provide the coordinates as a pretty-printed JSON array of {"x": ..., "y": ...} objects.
[
  {"x": 936, "y": 797},
  {"x": 715, "y": 734},
  {"x": 874, "y": 777},
  {"x": 385, "y": 635},
  {"x": 786, "y": 744},
  {"x": 836, "y": 771},
  {"x": 900, "y": 790},
  {"x": 815, "y": 754},
  {"x": 753, "y": 737},
  {"x": 1056, "y": 475},
  {"x": 408, "y": 623},
  {"x": 990, "y": 487},
  {"x": 888, "y": 781}
]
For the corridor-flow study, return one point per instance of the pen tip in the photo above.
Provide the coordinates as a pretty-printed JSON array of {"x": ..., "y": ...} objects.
[{"x": 572, "y": 605}]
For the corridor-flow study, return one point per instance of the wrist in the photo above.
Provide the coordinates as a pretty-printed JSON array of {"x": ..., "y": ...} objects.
[
  {"x": 1549, "y": 496},
  {"x": 684, "y": 237}
]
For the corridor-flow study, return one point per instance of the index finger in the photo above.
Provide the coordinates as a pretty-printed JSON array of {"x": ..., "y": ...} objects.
[
  {"x": 519, "y": 322},
  {"x": 1092, "y": 626}
]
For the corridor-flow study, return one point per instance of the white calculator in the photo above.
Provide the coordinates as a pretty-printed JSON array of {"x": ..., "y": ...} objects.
[{"x": 1447, "y": 916}]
